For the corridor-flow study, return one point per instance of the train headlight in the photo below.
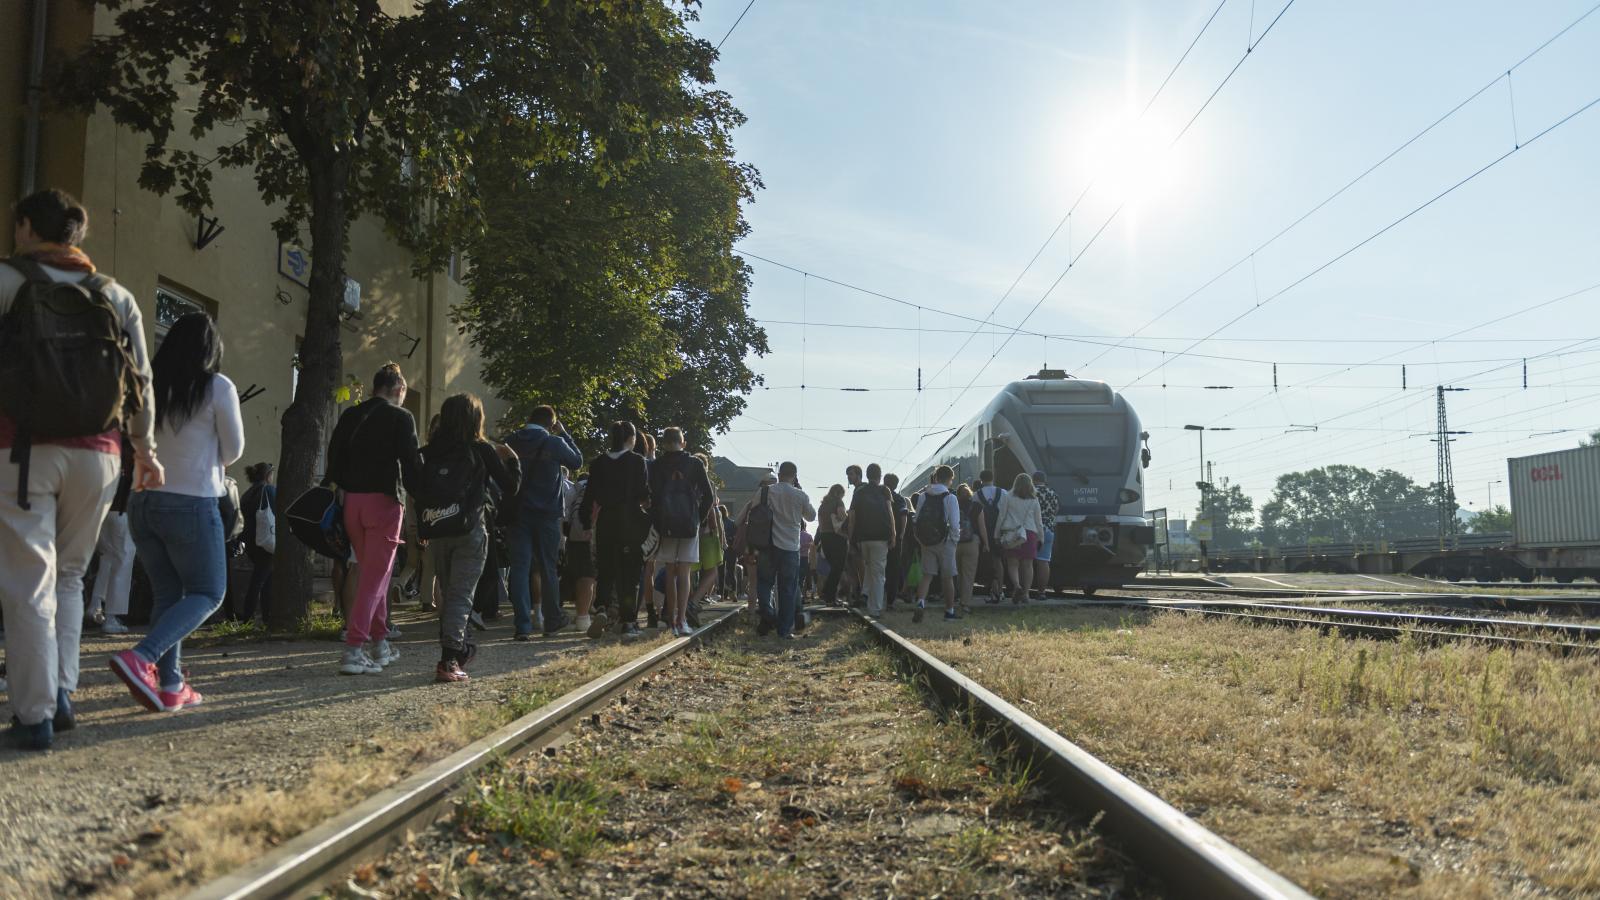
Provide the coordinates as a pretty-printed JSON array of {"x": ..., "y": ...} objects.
[{"x": 1127, "y": 495}]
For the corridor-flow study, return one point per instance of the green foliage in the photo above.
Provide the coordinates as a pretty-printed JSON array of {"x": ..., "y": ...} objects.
[
  {"x": 1490, "y": 521},
  {"x": 1338, "y": 504},
  {"x": 339, "y": 108},
  {"x": 1232, "y": 517},
  {"x": 620, "y": 297},
  {"x": 1593, "y": 440}
]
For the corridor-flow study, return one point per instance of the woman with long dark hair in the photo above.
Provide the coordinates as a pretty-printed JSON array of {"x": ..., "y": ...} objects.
[
  {"x": 178, "y": 526},
  {"x": 613, "y": 505},
  {"x": 458, "y": 445}
]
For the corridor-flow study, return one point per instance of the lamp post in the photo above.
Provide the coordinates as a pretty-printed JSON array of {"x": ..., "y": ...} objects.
[
  {"x": 1491, "y": 490},
  {"x": 1205, "y": 490}
]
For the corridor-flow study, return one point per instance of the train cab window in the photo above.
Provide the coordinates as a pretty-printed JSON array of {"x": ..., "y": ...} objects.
[{"x": 1087, "y": 445}]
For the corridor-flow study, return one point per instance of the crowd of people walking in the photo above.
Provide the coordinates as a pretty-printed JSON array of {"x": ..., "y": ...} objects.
[{"x": 115, "y": 455}]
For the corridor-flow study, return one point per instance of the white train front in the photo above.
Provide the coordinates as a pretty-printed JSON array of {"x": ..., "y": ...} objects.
[{"x": 1086, "y": 437}]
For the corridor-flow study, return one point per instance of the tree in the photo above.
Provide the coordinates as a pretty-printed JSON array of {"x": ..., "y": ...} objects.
[
  {"x": 1593, "y": 440},
  {"x": 1341, "y": 504},
  {"x": 1491, "y": 521},
  {"x": 621, "y": 297},
  {"x": 1232, "y": 517},
  {"x": 340, "y": 108}
]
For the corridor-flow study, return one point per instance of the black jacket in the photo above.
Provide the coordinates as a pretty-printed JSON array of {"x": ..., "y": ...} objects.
[
  {"x": 618, "y": 487},
  {"x": 373, "y": 449}
]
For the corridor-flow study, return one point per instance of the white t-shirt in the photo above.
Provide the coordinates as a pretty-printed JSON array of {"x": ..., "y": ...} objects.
[{"x": 212, "y": 439}]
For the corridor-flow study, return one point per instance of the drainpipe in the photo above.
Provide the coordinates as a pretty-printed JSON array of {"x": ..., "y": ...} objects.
[{"x": 35, "y": 111}]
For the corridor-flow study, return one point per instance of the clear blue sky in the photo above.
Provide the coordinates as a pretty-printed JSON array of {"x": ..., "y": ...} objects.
[{"x": 925, "y": 150}]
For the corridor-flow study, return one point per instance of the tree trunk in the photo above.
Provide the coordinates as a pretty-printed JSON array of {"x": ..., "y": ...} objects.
[{"x": 305, "y": 422}]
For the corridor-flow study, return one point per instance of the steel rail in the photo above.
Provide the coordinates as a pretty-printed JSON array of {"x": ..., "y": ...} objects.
[
  {"x": 1191, "y": 860},
  {"x": 299, "y": 866},
  {"x": 1536, "y": 603},
  {"x": 1584, "y": 633},
  {"x": 1388, "y": 632}
]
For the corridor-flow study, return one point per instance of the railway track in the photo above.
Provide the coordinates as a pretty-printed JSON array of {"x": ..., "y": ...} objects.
[
  {"x": 1579, "y": 607},
  {"x": 1556, "y": 637},
  {"x": 1190, "y": 860}
]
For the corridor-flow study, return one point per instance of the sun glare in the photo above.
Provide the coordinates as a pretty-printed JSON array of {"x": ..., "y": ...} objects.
[{"x": 1132, "y": 159}]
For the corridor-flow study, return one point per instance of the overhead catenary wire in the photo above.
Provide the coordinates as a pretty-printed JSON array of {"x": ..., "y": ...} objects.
[
  {"x": 1385, "y": 229},
  {"x": 1249, "y": 257},
  {"x": 1073, "y": 260},
  {"x": 735, "y": 24}
]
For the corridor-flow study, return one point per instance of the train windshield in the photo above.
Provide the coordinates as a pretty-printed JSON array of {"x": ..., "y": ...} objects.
[{"x": 1080, "y": 444}]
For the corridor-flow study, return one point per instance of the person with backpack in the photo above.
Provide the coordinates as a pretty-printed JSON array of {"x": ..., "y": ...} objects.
[
  {"x": 260, "y": 506},
  {"x": 534, "y": 540},
  {"x": 578, "y": 558},
  {"x": 453, "y": 480},
  {"x": 1017, "y": 534},
  {"x": 871, "y": 529},
  {"x": 713, "y": 551},
  {"x": 63, "y": 401},
  {"x": 373, "y": 459},
  {"x": 681, "y": 499},
  {"x": 989, "y": 496},
  {"x": 970, "y": 545},
  {"x": 108, "y": 601},
  {"x": 178, "y": 527},
  {"x": 613, "y": 504},
  {"x": 937, "y": 528}
]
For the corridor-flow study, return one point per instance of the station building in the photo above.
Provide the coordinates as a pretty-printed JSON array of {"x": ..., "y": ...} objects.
[{"x": 229, "y": 263}]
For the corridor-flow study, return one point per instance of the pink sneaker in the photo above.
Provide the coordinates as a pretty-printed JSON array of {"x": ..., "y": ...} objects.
[
  {"x": 140, "y": 677},
  {"x": 182, "y": 698}
]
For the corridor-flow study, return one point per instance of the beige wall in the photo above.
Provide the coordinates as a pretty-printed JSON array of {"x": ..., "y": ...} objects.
[{"x": 144, "y": 241}]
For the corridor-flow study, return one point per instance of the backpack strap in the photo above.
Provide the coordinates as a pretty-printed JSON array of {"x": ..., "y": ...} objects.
[{"x": 29, "y": 267}]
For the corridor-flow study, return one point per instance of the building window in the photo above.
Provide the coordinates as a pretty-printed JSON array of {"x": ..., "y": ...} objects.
[
  {"x": 458, "y": 267},
  {"x": 170, "y": 305}
]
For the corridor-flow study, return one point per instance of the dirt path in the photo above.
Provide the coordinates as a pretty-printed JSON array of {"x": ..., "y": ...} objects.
[
  {"x": 758, "y": 767},
  {"x": 81, "y": 816}
]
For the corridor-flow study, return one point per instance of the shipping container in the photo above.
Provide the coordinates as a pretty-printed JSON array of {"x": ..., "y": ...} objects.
[{"x": 1555, "y": 498}]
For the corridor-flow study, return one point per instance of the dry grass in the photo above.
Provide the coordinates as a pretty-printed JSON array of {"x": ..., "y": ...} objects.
[
  {"x": 758, "y": 768},
  {"x": 200, "y": 843},
  {"x": 1357, "y": 768}
]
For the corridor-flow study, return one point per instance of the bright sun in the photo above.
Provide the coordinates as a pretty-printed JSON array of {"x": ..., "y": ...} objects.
[{"x": 1132, "y": 159}]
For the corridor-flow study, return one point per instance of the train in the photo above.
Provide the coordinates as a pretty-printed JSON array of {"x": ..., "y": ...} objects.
[
  {"x": 1087, "y": 439},
  {"x": 1555, "y": 508}
]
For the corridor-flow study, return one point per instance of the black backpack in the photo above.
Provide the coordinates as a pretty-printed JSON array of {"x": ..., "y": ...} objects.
[
  {"x": 871, "y": 506},
  {"x": 932, "y": 526},
  {"x": 449, "y": 492},
  {"x": 758, "y": 525},
  {"x": 66, "y": 365},
  {"x": 677, "y": 509}
]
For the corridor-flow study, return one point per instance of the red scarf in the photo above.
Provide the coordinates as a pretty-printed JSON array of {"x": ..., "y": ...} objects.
[{"x": 60, "y": 256}]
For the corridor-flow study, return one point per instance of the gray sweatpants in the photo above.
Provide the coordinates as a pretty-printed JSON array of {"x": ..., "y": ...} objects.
[
  {"x": 44, "y": 552},
  {"x": 457, "y": 564}
]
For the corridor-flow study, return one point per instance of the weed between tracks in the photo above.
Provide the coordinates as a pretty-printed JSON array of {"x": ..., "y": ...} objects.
[
  {"x": 1355, "y": 767},
  {"x": 758, "y": 768},
  {"x": 204, "y": 842}
]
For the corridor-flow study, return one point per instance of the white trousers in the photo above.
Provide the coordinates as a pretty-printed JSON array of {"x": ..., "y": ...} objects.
[
  {"x": 115, "y": 579},
  {"x": 44, "y": 552},
  {"x": 874, "y": 558}
]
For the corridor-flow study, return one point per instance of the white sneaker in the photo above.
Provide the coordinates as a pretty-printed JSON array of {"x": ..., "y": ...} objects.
[
  {"x": 394, "y": 632},
  {"x": 113, "y": 625},
  {"x": 583, "y": 623},
  {"x": 356, "y": 662},
  {"x": 384, "y": 654}
]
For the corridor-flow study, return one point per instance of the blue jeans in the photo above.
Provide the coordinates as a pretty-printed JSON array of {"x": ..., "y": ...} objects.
[
  {"x": 179, "y": 539},
  {"x": 780, "y": 568},
  {"x": 534, "y": 540}
]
